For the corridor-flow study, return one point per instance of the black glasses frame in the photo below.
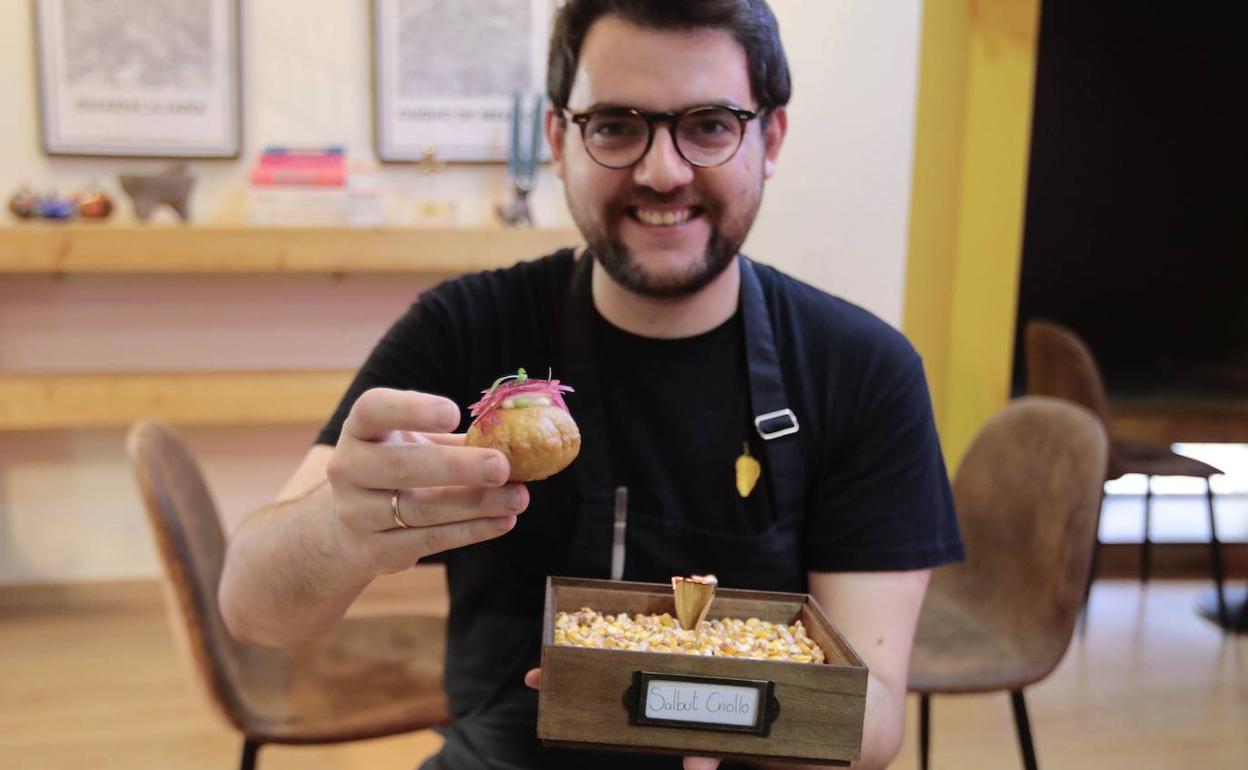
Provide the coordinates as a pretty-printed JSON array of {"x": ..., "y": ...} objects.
[{"x": 743, "y": 115}]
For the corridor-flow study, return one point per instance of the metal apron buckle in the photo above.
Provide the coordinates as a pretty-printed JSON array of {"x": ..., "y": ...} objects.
[{"x": 788, "y": 429}]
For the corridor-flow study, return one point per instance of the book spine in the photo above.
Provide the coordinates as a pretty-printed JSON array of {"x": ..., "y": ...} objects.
[
  {"x": 263, "y": 176},
  {"x": 282, "y": 161},
  {"x": 305, "y": 152}
]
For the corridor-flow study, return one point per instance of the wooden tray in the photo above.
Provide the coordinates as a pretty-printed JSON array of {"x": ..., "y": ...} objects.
[{"x": 762, "y": 709}]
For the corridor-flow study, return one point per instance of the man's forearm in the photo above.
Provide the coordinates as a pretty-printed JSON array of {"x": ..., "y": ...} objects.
[
  {"x": 884, "y": 725},
  {"x": 882, "y": 729},
  {"x": 285, "y": 579}
]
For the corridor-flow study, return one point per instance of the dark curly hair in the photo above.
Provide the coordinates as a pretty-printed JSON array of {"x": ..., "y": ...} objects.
[{"x": 751, "y": 22}]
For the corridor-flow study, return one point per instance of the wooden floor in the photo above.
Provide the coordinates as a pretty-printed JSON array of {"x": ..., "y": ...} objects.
[
  {"x": 1151, "y": 686},
  {"x": 100, "y": 685}
]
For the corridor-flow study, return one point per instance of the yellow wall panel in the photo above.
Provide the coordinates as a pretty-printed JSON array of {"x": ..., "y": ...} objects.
[
  {"x": 939, "y": 138},
  {"x": 967, "y": 226}
]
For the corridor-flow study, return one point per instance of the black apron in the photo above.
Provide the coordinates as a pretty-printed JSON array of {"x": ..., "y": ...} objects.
[
  {"x": 498, "y": 731},
  {"x": 765, "y": 560}
]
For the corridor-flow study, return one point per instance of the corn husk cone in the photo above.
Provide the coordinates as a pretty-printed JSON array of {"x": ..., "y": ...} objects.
[{"x": 693, "y": 598}]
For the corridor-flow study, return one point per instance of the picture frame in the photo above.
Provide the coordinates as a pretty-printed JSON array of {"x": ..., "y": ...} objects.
[
  {"x": 446, "y": 74},
  {"x": 158, "y": 79}
]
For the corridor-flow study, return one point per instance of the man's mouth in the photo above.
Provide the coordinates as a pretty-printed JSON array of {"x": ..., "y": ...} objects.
[{"x": 664, "y": 217}]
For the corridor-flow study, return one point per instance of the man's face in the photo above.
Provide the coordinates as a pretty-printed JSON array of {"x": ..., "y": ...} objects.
[{"x": 663, "y": 227}]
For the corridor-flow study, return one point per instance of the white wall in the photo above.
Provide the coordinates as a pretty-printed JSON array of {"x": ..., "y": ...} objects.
[{"x": 835, "y": 215}]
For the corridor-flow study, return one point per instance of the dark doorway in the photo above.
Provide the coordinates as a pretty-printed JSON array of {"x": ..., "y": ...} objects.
[{"x": 1137, "y": 204}]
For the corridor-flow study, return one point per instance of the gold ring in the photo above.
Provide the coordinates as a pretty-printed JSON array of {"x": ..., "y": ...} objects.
[{"x": 394, "y": 509}]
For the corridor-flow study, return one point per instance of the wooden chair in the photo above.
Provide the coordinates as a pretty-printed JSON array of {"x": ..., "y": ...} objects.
[
  {"x": 371, "y": 677},
  {"x": 1059, "y": 364},
  {"x": 1027, "y": 493}
]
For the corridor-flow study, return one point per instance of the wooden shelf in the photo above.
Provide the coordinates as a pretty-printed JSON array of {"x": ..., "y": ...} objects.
[
  {"x": 85, "y": 248},
  {"x": 57, "y": 401},
  {"x": 1179, "y": 419},
  {"x": 97, "y": 400}
]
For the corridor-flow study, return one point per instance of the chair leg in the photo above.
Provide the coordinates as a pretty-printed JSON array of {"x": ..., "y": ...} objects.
[
  {"x": 925, "y": 728},
  {"x": 250, "y": 750},
  {"x": 1023, "y": 726},
  {"x": 1215, "y": 559},
  {"x": 1147, "y": 547}
]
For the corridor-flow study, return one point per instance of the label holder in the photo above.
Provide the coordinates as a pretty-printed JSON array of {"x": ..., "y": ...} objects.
[{"x": 635, "y": 703}]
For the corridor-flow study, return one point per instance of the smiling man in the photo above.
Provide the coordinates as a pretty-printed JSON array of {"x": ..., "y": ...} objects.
[
  {"x": 663, "y": 148},
  {"x": 667, "y": 119}
]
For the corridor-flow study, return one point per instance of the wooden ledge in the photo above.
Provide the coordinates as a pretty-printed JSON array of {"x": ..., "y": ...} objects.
[
  {"x": 91, "y": 249},
  {"x": 66, "y": 401}
]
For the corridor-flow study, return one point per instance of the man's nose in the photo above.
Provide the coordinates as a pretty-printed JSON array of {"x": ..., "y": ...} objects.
[{"x": 662, "y": 168}]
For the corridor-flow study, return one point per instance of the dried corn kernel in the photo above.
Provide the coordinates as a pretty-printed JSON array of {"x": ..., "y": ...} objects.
[{"x": 725, "y": 637}]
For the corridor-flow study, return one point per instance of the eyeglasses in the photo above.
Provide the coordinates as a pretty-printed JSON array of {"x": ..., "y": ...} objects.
[{"x": 706, "y": 136}]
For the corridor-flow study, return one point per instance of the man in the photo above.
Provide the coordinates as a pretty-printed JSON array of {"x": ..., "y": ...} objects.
[{"x": 667, "y": 119}]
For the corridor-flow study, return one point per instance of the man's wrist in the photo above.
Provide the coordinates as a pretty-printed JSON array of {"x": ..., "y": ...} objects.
[{"x": 332, "y": 545}]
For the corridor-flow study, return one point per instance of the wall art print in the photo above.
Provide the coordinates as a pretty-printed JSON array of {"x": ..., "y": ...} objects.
[
  {"x": 139, "y": 78},
  {"x": 446, "y": 72}
]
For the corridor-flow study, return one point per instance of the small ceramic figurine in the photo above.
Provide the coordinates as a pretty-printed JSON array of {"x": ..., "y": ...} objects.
[
  {"x": 171, "y": 187},
  {"x": 93, "y": 203},
  {"x": 52, "y": 207},
  {"x": 24, "y": 204},
  {"x": 516, "y": 213}
]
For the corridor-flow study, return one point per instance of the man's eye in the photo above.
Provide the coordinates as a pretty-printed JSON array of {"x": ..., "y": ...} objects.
[
  {"x": 709, "y": 127},
  {"x": 614, "y": 129}
]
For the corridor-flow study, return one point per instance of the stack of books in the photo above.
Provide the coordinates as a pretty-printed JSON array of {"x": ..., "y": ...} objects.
[{"x": 312, "y": 186}]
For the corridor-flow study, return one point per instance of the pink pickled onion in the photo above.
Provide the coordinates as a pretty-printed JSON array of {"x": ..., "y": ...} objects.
[{"x": 485, "y": 410}]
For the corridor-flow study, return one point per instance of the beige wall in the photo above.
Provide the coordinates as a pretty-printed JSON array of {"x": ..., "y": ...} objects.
[
  {"x": 836, "y": 212},
  {"x": 835, "y": 215}
]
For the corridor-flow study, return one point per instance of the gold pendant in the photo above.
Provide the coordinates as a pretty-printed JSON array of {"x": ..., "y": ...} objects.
[{"x": 748, "y": 471}]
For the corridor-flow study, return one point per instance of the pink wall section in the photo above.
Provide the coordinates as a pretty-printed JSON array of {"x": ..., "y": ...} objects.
[
  {"x": 69, "y": 509},
  {"x": 144, "y": 323}
]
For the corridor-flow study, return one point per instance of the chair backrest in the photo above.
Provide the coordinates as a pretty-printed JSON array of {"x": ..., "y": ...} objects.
[
  {"x": 188, "y": 535},
  {"x": 1060, "y": 365},
  {"x": 1027, "y": 493}
]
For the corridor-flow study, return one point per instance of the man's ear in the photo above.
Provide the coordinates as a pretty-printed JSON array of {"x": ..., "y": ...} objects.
[
  {"x": 556, "y": 129},
  {"x": 773, "y": 137}
]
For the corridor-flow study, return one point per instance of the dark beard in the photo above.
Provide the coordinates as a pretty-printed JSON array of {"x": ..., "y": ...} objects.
[
  {"x": 728, "y": 233},
  {"x": 618, "y": 261}
]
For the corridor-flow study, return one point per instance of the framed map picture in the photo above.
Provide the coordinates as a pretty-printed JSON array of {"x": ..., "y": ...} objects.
[
  {"x": 445, "y": 73},
  {"x": 149, "y": 78}
]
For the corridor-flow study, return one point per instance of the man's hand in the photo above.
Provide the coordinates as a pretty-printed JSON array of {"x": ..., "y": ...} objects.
[
  {"x": 396, "y": 446},
  {"x": 534, "y": 679}
]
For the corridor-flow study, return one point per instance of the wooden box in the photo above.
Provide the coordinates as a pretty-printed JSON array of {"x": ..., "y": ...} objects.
[{"x": 763, "y": 709}]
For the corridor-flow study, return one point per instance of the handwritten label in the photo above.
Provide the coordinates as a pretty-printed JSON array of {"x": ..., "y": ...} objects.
[{"x": 712, "y": 704}]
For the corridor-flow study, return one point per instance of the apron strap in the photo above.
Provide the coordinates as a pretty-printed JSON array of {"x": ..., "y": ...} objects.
[
  {"x": 590, "y": 555},
  {"x": 774, "y": 419}
]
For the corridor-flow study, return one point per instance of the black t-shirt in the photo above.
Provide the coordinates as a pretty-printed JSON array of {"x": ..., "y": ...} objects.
[{"x": 678, "y": 414}]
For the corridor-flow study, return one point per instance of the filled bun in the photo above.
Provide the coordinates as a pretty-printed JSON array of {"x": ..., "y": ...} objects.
[
  {"x": 539, "y": 441},
  {"x": 527, "y": 420}
]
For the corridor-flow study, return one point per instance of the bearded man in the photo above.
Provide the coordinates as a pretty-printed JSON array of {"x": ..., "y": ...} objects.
[{"x": 667, "y": 120}]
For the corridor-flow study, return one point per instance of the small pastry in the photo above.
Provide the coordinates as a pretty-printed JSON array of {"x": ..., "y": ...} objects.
[{"x": 527, "y": 420}]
